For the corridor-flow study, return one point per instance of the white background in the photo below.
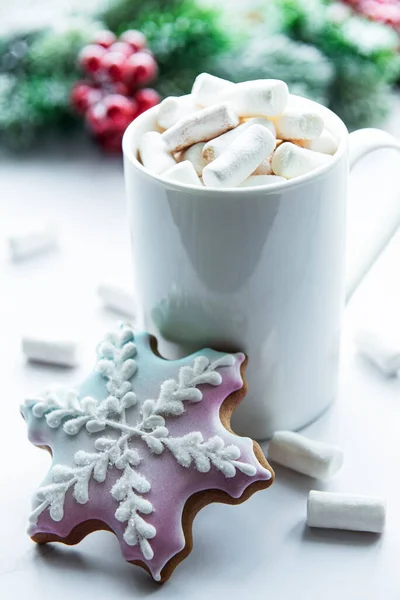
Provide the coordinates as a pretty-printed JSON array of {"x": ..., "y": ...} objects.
[{"x": 258, "y": 550}]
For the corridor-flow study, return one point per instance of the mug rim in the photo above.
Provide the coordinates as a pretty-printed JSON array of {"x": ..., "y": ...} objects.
[{"x": 128, "y": 154}]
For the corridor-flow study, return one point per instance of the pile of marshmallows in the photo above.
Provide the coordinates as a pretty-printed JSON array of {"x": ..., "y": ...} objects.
[{"x": 227, "y": 135}]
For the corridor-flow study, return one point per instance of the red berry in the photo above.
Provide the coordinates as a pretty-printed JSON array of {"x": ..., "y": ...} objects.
[
  {"x": 120, "y": 88},
  {"x": 114, "y": 64},
  {"x": 104, "y": 38},
  {"x": 122, "y": 47},
  {"x": 111, "y": 142},
  {"x": 120, "y": 110},
  {"x": 84, "y": 95},
  {"x": 134, "y": 38},
  {"x": 141, "y": 68},
  {"x": 90, "y": 58},
  {"x": 97, "y": 120},
  {"x": 146, "y": 98}
]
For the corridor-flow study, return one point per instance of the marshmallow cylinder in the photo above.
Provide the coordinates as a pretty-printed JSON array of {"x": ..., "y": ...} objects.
[
  {"x": 31, "y": 241},
  {"x": 346, "y": 511},
  {"x": 218, "y": 145},
  {"x": 255, "y": 180},
  {"x": 195, "y": 155},
  {"x": 299, "y": 453},
  {"x": 117, "y": 299},
  {"x": 154, "y": 154},
  {"x": 172, "y": 109},
  {"x": 299, "y": 126},
  {"x": 240, "y": 159},
  {"x": 207, "y": 88},
  {"x": 262, "y": 97},
  {"x": 49, "y": 350},
  {"x": 291, "y": 161},
  {"x": 183, "y": 172},
  {"x": 201, "y": 126},
  {"x": 325, "y": 143},
  {"x": 380, "y": 348}
]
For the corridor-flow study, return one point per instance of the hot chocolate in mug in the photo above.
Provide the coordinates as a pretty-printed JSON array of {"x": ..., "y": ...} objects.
[{"x": 257, "y": 269}]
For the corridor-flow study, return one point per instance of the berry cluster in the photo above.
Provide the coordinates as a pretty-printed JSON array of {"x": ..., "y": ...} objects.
[
  {"x": 386, "y": 11},
  {"x": 114, "y": 93}
]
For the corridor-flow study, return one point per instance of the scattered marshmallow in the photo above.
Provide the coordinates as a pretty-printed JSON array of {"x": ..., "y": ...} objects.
[
  {"x": 218, "y": 145},
  {"x": 50, "y": 350},
  {"x": 240, "y": 159},
  {"x": 291, "y": 161},
  {"x": 380, "y": 348},
  {"x": 262, "y": 97},
  {"x": 183, "y": 172},
  {"x": 346, "y": 511},
  {"x": 171, "y": 109},
  {"x": 34, "y": 240},
  {"x": 325, "y": 143},
  {"x": 154, "y": 154},
  {"x": 207, "y": 88},
  {"x": 195, "y": 155},
  {"x": 310, "y": 457},
  {"x": 256, "y": 180},
  {"x": 201, "y": 126},
  {"x": 299, "y": 126},
  {"x": 117, "y": 299}
]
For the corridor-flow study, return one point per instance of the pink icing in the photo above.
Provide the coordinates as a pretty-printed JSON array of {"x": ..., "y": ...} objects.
[{"x": 171, "y": 483}]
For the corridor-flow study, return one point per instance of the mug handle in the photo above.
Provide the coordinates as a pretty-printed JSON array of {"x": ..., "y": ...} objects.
[{"x": 361, "y": 143}]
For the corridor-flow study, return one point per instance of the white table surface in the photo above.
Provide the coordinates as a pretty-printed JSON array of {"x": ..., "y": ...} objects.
[{"x": 261, "y": 549}]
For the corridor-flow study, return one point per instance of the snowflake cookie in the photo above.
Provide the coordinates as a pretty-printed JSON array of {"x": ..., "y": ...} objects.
[{"x": 139, "y": 447}]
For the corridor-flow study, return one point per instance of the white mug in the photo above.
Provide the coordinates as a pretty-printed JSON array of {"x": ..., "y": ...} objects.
[{"x": 257, "y": 269}]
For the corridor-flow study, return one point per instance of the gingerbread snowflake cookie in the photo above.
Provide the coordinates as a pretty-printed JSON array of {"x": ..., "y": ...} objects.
[{"x": 139, "y": 447}]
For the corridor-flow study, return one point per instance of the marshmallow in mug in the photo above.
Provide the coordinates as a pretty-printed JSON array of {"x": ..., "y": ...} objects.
[
  {"x": 183, "y": 172},
  {"x": 291, "y": 161},
  {"x": 201, "y": 126},
  {"x": 240, "y": 159},
  {"x": 207, "y": 88},
  {"x": 216, "y": 146},
  {"x": 172, "y": 109},
  {"x": 195, "y": 155},
  {"x": 299, "y": 126},
  {"x": 205, "y": 130},
  {"x": 154, "y": 154}
]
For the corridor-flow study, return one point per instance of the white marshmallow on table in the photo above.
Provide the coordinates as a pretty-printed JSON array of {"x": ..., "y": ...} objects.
[
  {"x": 117, "y": 299},
  {"x": 51, "y": 350},
  {"x": 325, "y": 143},
  {"x": 346, "y": 511},
  {"x": 206, "y": 89},
  {"x": 216, "y": 146},
  {"x": 262, "y": 97},
  {"x": 382, "y": 348},
  {"x": 298, "y": 125},
  {"x": 310, "y": 457},
  {"x": 154, "y": 154},
  {"x": 173, "y": 108},
  {"x": 183, "y": 172},
  {"x": 256, "y": 180},
  {"x": 29, "y": 241},
  {"x": 195, "y": 155},
  {"x": 240, "y": 159},
  {"x": 201, "y": 126},
  {"x": 291, "y": 161}
]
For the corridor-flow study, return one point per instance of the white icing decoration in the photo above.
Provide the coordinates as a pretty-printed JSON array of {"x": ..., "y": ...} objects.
[{"x": 65, "y": 408}]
